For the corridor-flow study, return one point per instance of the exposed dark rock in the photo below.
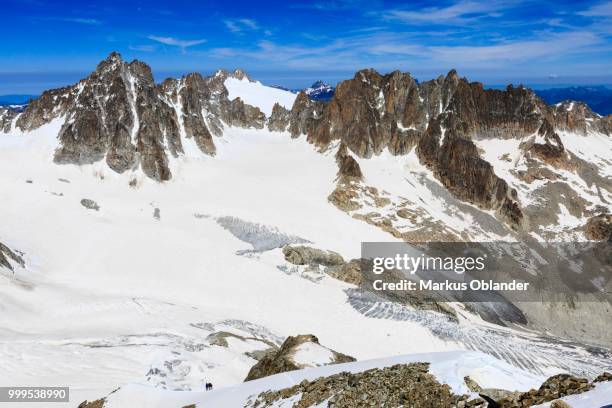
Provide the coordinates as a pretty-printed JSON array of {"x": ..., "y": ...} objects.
[
  {"x": 8, "y": 257},
  {"x": 118, "y": 113},
  {"x": 560, "y": 404},
  {"x": 349, "y": 272},
  {"x": 348, "y": 168},
  {"x": 606, "y": 376},
  {"x": 220, "y": 339},
  {"x": 282, "y": 360},
  {"x": 555, "y": 387},
  {"x": 599, "y": 228},
  {"x": 573, "y": 116},
  {"x": 94, "y": 404},
  {"x": 457, "y": 164},
  {"x": 305, "y": 113},
  {"x": 406, "y": 385},
  {"x": 279, "y": 119},
  {"x": 471, "y": 384},
  {"x": 371, "y": 112},
  {"x": 303, "y": 255},
  {"x": 333, "y": 263},
  {"x": 7, "y": 115},
  {"x": 243, "y": 115},
  {"x": 90, "y": 204}
]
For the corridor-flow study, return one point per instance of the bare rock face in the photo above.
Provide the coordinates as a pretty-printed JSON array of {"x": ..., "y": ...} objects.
[
  {"x": 348, "y": 168},
  {"x": 440, "y": 118},
  {"x": 599, "y": 228},
  {"x": 93, "y": 404},
  {"x": 287, "y": 358},
  {"x": 7, "y": 115},
  {"x": 305, "y": 113},
  {"x": 119, "y": 114},
  {"x": 402, "y": 385},
  {"x": 303, "y": 255},
  {"x": 573, "y": 116},
  {"x": 90, "y": 204},
  {"x": 279, "y": 119},
  {"x": 555, "y": 387},
  {"x": 48, "y": 106},
  {"x": 8, "y": 258}
]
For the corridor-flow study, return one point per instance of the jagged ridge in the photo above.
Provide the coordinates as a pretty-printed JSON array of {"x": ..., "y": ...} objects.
[{"x": 118, "y": 114}]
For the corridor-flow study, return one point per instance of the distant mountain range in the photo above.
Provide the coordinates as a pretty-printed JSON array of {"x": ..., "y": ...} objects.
[
  {"x": 318, "y": 91},
  {"x": 599, "y": 98}
]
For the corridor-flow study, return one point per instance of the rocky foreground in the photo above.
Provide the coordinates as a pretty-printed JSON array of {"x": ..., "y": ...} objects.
[
  {"x": 411, "y": 385},
  {"x": 407, "y": 385}
]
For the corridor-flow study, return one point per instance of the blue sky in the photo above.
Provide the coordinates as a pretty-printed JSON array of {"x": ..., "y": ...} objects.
[{"x": 292, "y": 43}]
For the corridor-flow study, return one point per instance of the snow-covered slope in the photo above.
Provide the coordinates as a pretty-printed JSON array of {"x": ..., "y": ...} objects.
[
  {"x": 258, "y": 95},
  {"x": 449, "y": 368},
  {"x": 107, "y": 295},
  {"x": 135, "y": 291}
]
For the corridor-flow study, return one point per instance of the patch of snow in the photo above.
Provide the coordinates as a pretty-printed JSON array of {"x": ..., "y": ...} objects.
[
  {"x": 312, "y": 354},
  {"x": 258, "y": 95}
]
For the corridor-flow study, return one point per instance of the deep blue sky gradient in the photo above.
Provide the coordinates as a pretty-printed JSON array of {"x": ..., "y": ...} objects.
[{"x": 292, "y": 43}]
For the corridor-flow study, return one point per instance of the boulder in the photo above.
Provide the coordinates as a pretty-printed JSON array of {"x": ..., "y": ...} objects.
[
  {"x": 599, "y": 228},
  {"x": 287, "y": 358}
]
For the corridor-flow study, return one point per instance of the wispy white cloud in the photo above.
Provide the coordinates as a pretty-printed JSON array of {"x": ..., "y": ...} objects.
[
  {"x": 598, "y": 10},
  {"x": 89, "y": 21},
  {"x": 176, "y": 41},
  {"x": 238, "y": 25},
  {"x": 389, "y": 50},
  {"x": 549, "y": 45},
  {"x": 460, "y": 12}
]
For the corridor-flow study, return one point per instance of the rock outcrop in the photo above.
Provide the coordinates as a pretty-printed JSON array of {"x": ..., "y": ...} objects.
[
  {"x": 599, "y": 228},
  {"x": 555, "y": 387},
  {"x": 402, "y": 385},
  {"x": 441, "y": 118},
  {"x": 8, "y": 258},
  {"x": 303, "y": 255},
  {"x": 7, "y": 116},
  {"x": 93, "y": 404},
  {"x": 119, "y": 114},
  {"x": 295, "y": 353},
  {"x": 90, "y": 204}
]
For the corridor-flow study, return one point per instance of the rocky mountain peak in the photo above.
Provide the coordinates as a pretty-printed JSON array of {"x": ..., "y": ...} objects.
[
  {"x": 120, "y": 115},
  {"x": 319, "y": 84},
  {"x": 241, "y": 74}
]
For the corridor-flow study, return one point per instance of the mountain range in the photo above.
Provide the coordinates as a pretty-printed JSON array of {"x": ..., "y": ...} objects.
[
  {"x": 172, "y": 234},
  {"x": 599, "y": 98}
]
